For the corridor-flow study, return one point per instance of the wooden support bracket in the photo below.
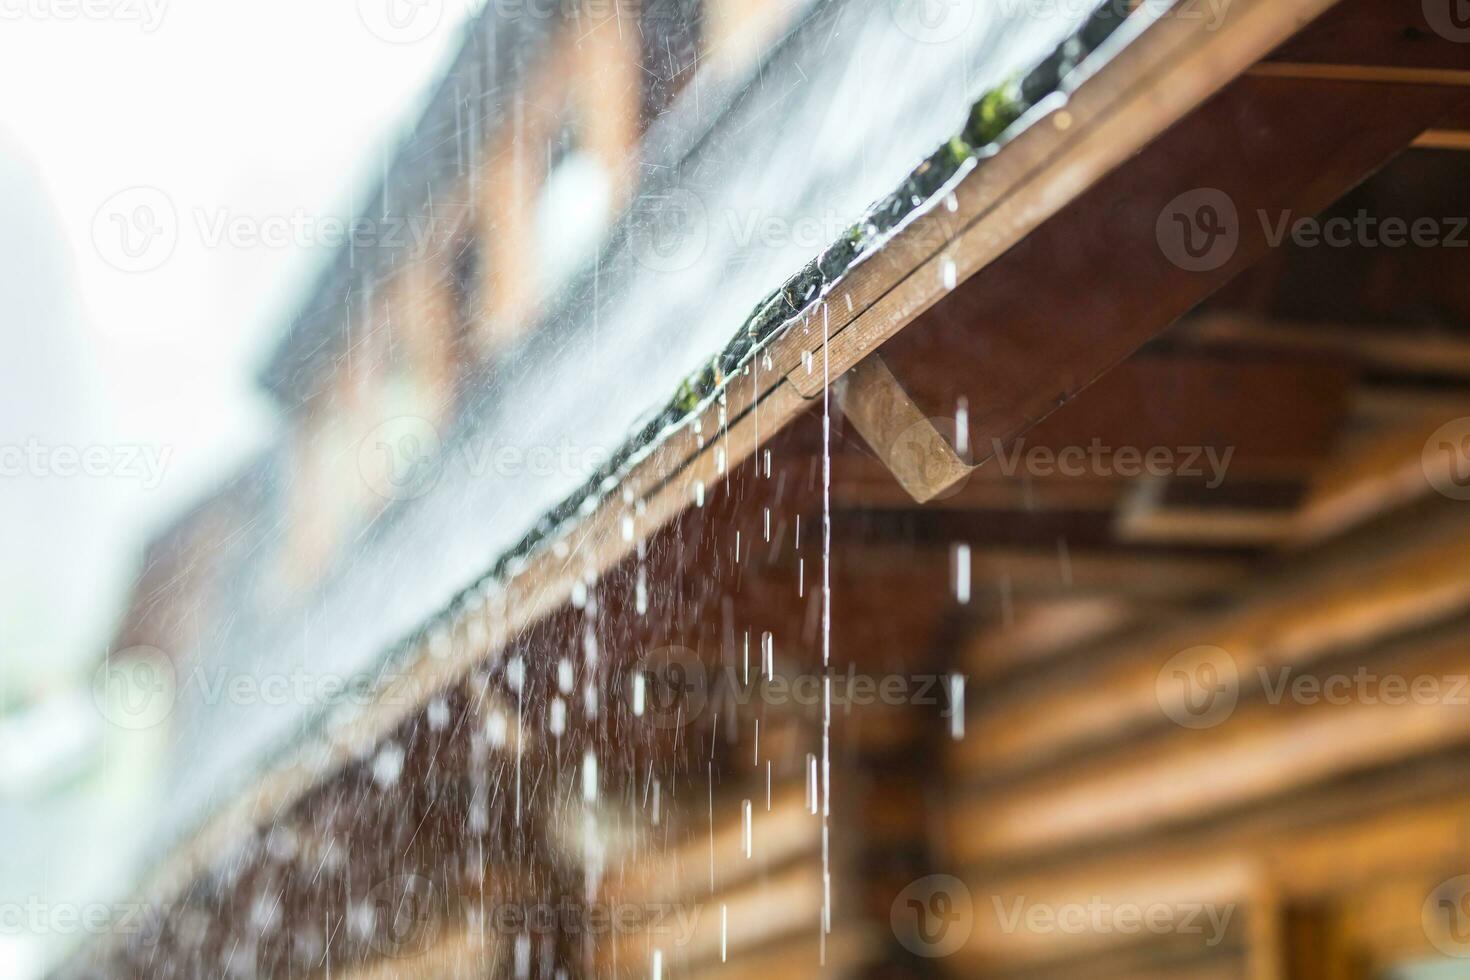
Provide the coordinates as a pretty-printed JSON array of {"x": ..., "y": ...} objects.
[{"x": 923, "y": 460}]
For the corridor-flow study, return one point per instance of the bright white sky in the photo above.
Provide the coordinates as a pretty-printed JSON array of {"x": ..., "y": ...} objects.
[
  {"x": 242, "y": 108},
  {"x": 279, "y": 113},
  {"x": 234, "y": 109}
]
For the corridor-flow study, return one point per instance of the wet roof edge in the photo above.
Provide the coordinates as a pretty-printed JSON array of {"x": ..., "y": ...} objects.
[
  {"x": 655, "y": 457},
  {"x": 996, "y": 119}
]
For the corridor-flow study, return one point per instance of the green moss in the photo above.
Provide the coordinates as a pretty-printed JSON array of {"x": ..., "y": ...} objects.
[
  {"x": 994, "y": 113},
  {"x": 686, "y": 399}
]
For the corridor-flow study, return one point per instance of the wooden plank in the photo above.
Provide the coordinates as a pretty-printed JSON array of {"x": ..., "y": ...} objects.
[
  {"x": 780, "y": 906},
  {"x": 1367, "y": 74},
  {"x": 1316, "y": 608},
  {"x": 682, "y": 872},
  {"x": 1388, "y": 349},
  {"x": 845, "y": 953},
  {"x": 920, "y": 457},
  {"x": 1224, "y": 883},
  {"x": 1259, "y": 751},
  {"x": 1147, "y": 518},
  {"x": 1151, "y": 958},
  {"x": 1443, "y": 139},
  {"x": 457, "y": 954},
  {"x": 1380, "y": 471},
  {"x": 1037, "y": 630},
  {"x": 999, "y": 574},
  {"x": 1426, "y": 35},
  {"x": 1306, "y": 852}
]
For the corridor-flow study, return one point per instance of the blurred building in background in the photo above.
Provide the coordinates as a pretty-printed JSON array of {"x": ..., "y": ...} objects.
[
  {"x": 1112, "y": 518},
  {"x": 489, "y": 220}
]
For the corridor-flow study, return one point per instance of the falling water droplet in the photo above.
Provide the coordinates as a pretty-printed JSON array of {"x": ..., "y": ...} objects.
[
  {"x": 523, "y": 956},
  {"x": 956, "y": 706},
  {"x": 497, "y": 728},
  {"x": 962, "y": 427},
  {"x": 589, "y": 777},
  {"x": 388, "y": 765},
  {"x": 962, "y": 573},
  {"x": 948, "y": 273}
]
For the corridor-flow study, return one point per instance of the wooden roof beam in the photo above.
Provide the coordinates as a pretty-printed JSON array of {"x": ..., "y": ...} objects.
[{"x": 923, "y": 460}]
